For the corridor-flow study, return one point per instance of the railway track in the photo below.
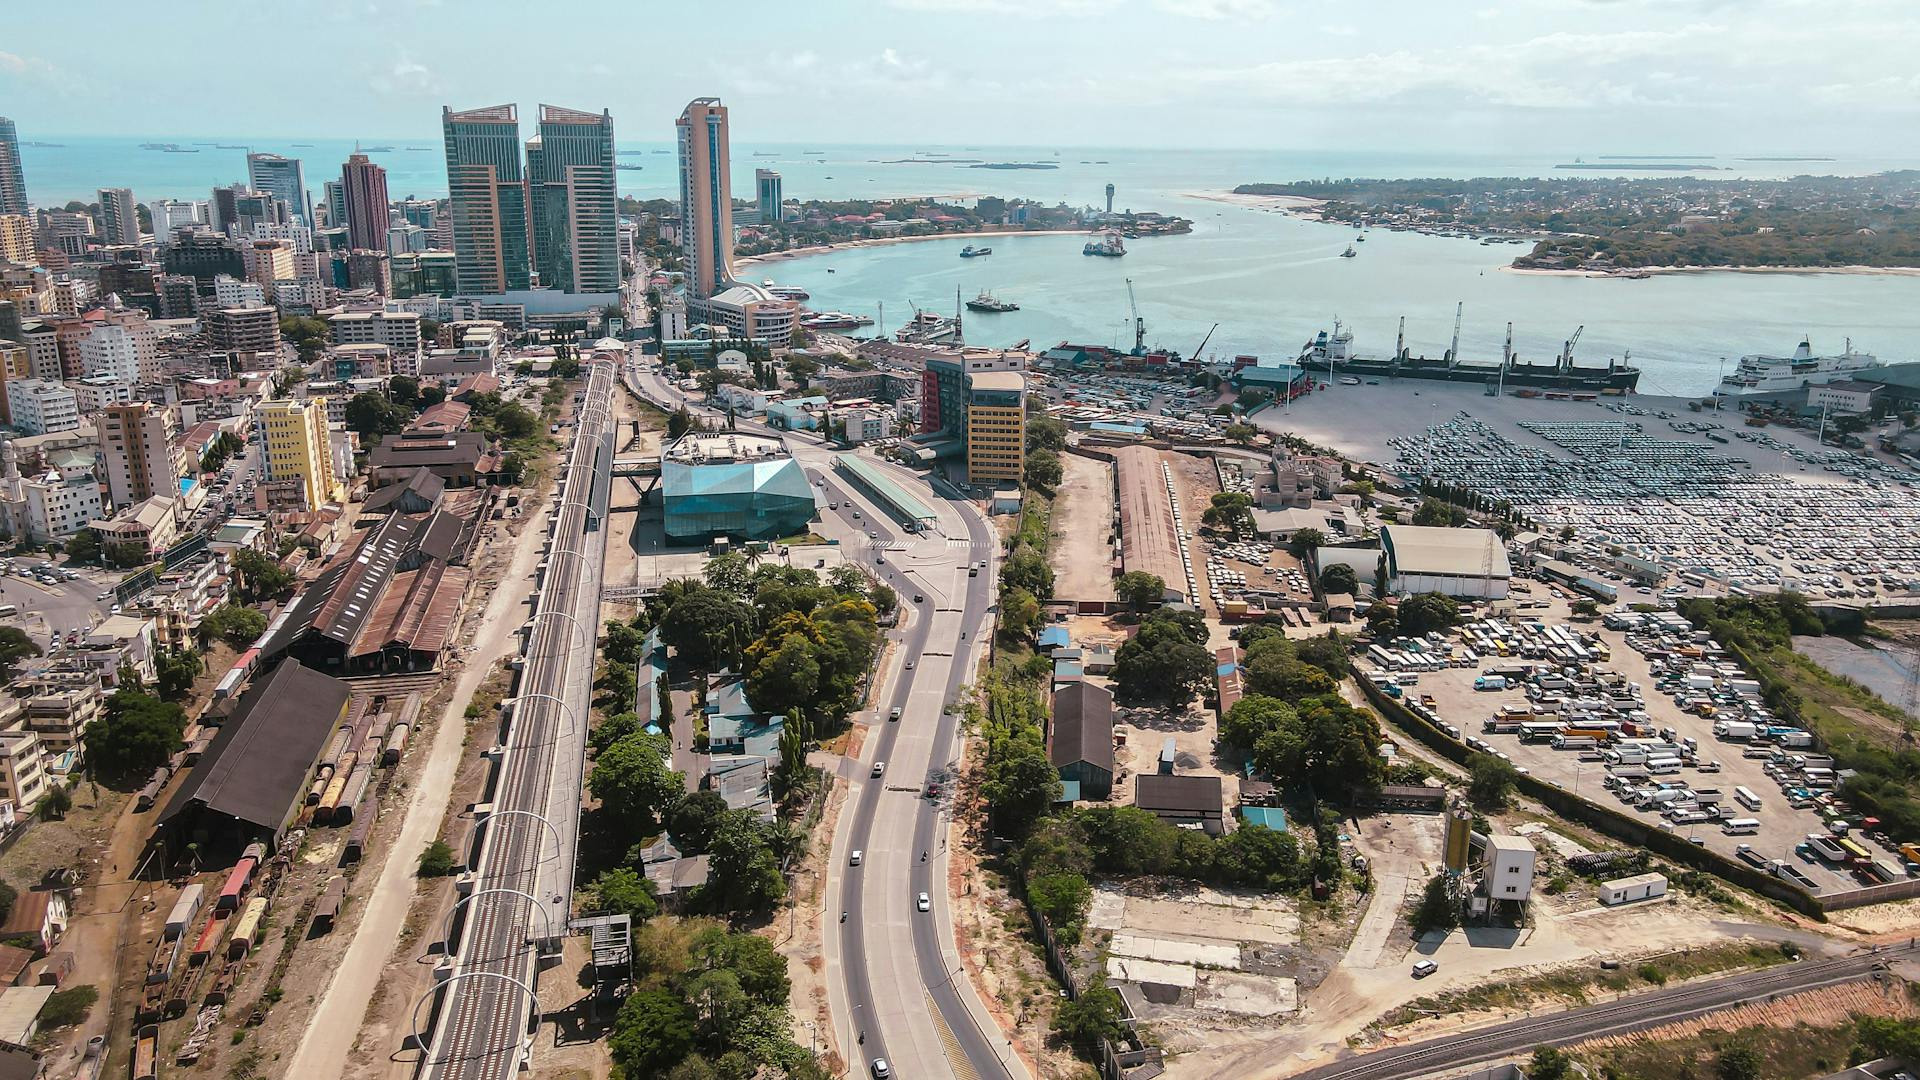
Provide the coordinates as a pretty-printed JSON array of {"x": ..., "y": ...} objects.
[
  {"x": 485, "y": 1009},
  {"x": 1608, "y": 1018}
]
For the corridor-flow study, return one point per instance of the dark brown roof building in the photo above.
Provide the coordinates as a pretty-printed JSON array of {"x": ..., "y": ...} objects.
[
  {"x": 252, "y": 782},
  {"x": 1182, "y": 800},
  {"x": 461, "y": 459},
  {"x": 1080, "y": 737}
]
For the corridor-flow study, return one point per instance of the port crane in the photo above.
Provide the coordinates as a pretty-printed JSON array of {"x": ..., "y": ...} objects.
[
  {"x": 1203, "y": 343},
  {"x": 1139, "y": 324},
  {"x": 1566, "y": 352}
]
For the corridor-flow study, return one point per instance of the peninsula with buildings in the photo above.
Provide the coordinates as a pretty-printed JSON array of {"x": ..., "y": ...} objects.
[{"x": 1647, "y": 224}]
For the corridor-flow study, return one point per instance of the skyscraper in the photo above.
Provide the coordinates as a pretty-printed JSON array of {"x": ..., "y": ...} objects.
[
  {"x": 336, "y": 205},
  {"x": 363, "y": 188},
  {"x": 706, "y": 197},
  {"x": 283, "y": 178},
  {"x": 119, "y": 221},
  {"x": 570, "y": 183},
  {"x": 768, "y": 196},
  {"x": 13, "y": 182},
  {"x": 488, "y": 196}
]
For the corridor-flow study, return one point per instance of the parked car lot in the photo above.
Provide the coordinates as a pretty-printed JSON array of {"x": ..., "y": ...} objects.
[{"x": 1646, "y": 715}]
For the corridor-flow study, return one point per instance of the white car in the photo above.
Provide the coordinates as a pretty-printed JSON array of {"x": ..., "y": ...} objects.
[
  {"x": 856, "y": 858},
  {"x": 879, "y": 768},
  {"x": 924, "y": 902}
]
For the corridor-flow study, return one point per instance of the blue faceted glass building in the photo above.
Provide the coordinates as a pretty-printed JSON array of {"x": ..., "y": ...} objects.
[{"x": 728, "y": 484}]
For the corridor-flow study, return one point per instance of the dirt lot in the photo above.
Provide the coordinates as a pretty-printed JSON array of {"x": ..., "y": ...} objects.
[
  {"x": 1781, "y": 826},
  {"x": 1082, "y": 551}
]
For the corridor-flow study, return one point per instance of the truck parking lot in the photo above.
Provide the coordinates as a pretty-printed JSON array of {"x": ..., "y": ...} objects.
[{"x": 1645, "y": 715}]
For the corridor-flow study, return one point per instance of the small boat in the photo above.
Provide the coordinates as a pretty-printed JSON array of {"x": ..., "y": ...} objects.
[
  {"x": 1349, "y": 380},
  {"x": 986, "y": 301},
  {"x": 1107, "y": 245},
  {"x": 1360, "y": 239},
  {"x": 1349, "y": 253},
  {"x": 829, "y": 269},
  {"x": 766, "y": 282},
  {"x": 971, "y": 252}
]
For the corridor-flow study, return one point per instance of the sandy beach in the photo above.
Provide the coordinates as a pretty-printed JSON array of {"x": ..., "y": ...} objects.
[
  {"x": 795, "y": 253},
  {"x": 1293, "y": 204}
]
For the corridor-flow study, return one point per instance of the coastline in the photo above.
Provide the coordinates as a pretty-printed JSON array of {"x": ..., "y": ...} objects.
[
  {"x": 1852, "y": 271},
  {"x": 1292, "y": 204},
  {"x": 880, "y": 241}
]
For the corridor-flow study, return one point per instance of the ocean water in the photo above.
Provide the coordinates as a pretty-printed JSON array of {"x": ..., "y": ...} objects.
[{"x": 1267, "y": 279}]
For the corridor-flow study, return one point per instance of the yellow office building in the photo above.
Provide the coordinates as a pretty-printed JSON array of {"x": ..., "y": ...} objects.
[
  {"x": 996, "y": 425},
  {"x": 295, "y": 446}
]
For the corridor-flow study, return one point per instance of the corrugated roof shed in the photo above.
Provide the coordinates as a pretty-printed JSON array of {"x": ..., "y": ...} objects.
[
  {"x": 1423, "y": 549},
  {"x": 257, "y": 768},
  {"x": 1082, "y": 728}
]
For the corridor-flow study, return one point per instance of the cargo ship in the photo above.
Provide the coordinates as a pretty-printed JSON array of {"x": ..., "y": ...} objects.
[
  {"x": 1333, "y": 354},
  {"x": 986, "y": 301},
  {"x": 971, "y": 252}
]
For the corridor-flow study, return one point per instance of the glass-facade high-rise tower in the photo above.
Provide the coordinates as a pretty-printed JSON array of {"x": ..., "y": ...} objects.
[
  {"x": 706, "y": 198},
  {"x": 13, "y": 182},
  {"x": 768, "y": 196},
  {"x": 487, "y": 191},
  {"x": 283, "y": 178},
  {"x": 572, "y": 201}
]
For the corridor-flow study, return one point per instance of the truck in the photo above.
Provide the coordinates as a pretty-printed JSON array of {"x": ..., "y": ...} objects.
[
  {"x": 1827, "y": 848},
  {"x": 1490, "y": 682},
  {"x": 1574, "y": 742},
  {"x": 1629, "y": 772},
  {"x": 1500, "y": 725},
  {"x": 1627, "y": 755},
  {"x": 1786, "y": 871},
  {"x": 1707, "y": 796},
  {"x": 1734, "y": 730},
  {"x": 1751, "y": 857}
]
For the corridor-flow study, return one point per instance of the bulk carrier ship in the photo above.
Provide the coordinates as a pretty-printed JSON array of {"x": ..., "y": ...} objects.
[{"x": 1333, "y": 354}]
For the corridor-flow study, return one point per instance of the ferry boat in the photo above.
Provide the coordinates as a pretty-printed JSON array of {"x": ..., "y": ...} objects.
[
  {"x": 1108, "y": 245},
  {"x": 835, "y": 320},
  {"x": 1760, "y": 374},
  {"x": 986, "y": 301},
  {"x": 1333, "y": 354},
  {"x": 971, "y": 252},
  {"x": 790, "y": 292},
  {"x": 926, "y": 328}
]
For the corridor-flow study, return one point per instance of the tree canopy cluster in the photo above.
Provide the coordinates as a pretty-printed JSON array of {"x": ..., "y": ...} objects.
[
  {"x": 707, "y": 1004},
  {"x": 1166, "y": 661},
  {"x": 135, "y": 734},
  {"x": 1294, "y": 725}
]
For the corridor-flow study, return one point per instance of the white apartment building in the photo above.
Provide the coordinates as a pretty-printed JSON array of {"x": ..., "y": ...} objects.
[
  {"x": 299, "y": 236},
  {"x": 23, "y": 780},
  {"x": 43, "y": 352},
  {"x": 99, "y": 392},
  {"x": 110, "y": 351},
  {"x": 268, "y": 261},
  {"x": 306, "y": 294},
  {"x": 137, "y": 442},
  {"x": 39, "y": 406},
  {"x": 866, "y": 425},
  {"x": 171, "y": 214},
  {"x": 52, "y": 506},
  {"x": 231, "y": 292},
  {"x": 397, "y": 330}
]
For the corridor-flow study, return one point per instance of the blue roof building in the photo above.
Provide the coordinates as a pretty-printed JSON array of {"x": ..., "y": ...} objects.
[
  {"x": 732, "y": 484},
  {"x": 1054, "y": 637}
]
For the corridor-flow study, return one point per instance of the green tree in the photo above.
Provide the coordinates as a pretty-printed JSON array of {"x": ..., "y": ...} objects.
[
  {"x": 1339, "y": 578},
  {"x": 177, "y": 669},
  {"x": 1231, "y": 511},
  {"x": 1028, "y": 570},
  {"x": 1083, "y": 1022},
  {"x": 1019, "y": 612},
  {"x": 743, "y": 873},
  {"x": 436, "y": 860},
  {"x": 133, "y": 735},
  {"x": 633, "y": 783},
  {"x": 69, "y": 1007},
  {"x": 1044, "y": 432},
  {"x": 622, "y": 891},
  {"x": 83, "y": 547},
  {"x": 1252, "y": 717},
  {"x": 730, "y": 573},
  {"x": 15, "y": 646},
  {"x": 1240, "y": 434},
  {"x": 612, "y": 729},
  {"x": 1426, "y": 612},
  {"x": 694, "y": 820},
  {"x": 1439, "y": 909},
  {"x": 679, "y": 422},
  {"x": 236, "y": 624},
  {"x": 1140, "y": 590},
  {"x": 1063, "y": 898},
  {"x": 260, "y": 576},
  {"x": 55, "y": 803},
  {"x": 1021, "y": 783},
  {"x": 653, "y": 1030},
  {"x": 404, "y": 390},
  {"x": 1491, "y": 781},
  {"x": 1161, "y": 663},
  {"x": 1279, "y": 674},
  {"x": 707, "y": 628},
  {"x": 1305, "y": 540},
  {"x": 373, "y": 415},
  {"x": 1548, "y": 1063},
  {"x": 1043, "y": 471},
  {"x": 1740, "y": 1062}
]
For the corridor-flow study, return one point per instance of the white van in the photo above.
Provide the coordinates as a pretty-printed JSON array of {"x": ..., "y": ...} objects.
[
  {"x": 1744, "y": 826},
  {"x": 1746, "y": 798}
]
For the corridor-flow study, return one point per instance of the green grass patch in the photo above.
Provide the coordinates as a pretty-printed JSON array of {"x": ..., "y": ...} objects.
[
  {"x": 1577, "y": 985},
  {"x": 1821, "y": 691},
  {"x": 805, "y": 539}
]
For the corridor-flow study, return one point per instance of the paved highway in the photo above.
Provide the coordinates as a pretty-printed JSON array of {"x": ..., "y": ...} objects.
[
  {"x": 523, "y": 885},
  {"x": 1635, "y": 1013},
  {"x": 893, "y": 971}
]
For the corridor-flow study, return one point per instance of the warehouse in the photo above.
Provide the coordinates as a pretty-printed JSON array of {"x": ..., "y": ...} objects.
[
  {"x": 1466, "y": 563},
  {"x": 252, "y": 782},
  {"x": 1149, "y": 536}
]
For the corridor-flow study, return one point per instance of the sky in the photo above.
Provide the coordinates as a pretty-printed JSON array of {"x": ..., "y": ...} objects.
[{"x": 1787, "y": 77}]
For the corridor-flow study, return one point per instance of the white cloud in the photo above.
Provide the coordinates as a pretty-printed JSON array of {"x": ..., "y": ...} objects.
[
  {"x": 15, "y": 64},
  {"x": 406, "y": 78},
  {"x": 1218, "y": 9}
]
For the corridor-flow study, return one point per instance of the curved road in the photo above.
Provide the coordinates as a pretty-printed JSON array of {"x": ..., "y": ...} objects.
[{"x": 899, "y": 980}]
